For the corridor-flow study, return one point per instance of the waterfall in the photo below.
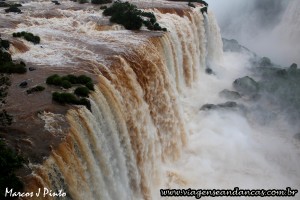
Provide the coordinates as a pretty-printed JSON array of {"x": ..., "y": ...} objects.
[
  {"x": 288, "y": 31},
  {"x": 136, "y": 120}
]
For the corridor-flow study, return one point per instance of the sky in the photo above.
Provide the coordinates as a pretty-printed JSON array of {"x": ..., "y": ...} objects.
[{"x": 264, "y": 26}]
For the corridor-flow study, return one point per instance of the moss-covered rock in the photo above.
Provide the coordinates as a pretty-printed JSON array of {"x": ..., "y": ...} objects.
[{"x": 246, "y": 86}]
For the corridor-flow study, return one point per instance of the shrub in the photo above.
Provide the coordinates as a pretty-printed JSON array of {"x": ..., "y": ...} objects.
[
  {"x": 64, "y": 98},
  {"x": 66, "y": 84},
  {"x": 4, "y": 80},
  {"x": 5, "y": 119},
  {"x": 4, "y": 44},
  {"x": 71, "y": 78},
  {"x": 10, "y": 162},
  {"x": 103, "y": 7},
  {"x": 28, "y": 36},
  {"x": 5, "y": 57},
  {"x": 85, "y": 102},
  {"x": 118, "y": 6},
  {"x": 82, "y": 1},
  {"x": 100, "y": 1},
  {"x": 130, "y": 17},
  {"x": 4, "y": 4},
  {"x": 68, "y": 98},
  {"x": 83, "y": 79},
  {"x": 130, "y": 20},
  {"x": 35, "y": 89},
  {"x": 3, "y": 92},
  {"x": 10, "y": 68},
  {"x": 54, "y": 80},
  {"x": 82, "y": 91},
  {"x": 90, "y": 85}
]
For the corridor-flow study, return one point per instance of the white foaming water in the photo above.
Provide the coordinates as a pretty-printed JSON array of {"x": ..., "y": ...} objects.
[{"x": 227, "y": 148}]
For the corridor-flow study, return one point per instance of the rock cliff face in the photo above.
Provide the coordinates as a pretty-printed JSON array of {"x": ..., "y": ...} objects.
[{"x": 135, "y": 123}]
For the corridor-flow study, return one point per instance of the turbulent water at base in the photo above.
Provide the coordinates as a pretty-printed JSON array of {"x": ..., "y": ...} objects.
[{"x": 146, "y": 130}]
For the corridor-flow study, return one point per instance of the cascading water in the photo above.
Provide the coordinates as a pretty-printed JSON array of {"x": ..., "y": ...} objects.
[
  {"x": 136, "y": 123},
  {"x": 145, "y": 130}
]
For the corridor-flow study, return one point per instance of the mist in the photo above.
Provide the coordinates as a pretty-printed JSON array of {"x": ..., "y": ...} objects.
[{"x": 267, "y": 27}]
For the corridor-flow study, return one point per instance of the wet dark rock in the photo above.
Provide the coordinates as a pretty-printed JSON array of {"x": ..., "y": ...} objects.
[
  {"x": 209, "y": 70},
  {"x": 255, "y": 97},
  {"x": 265, "y": 62},
  {"x": 55, "y": 2},
  {"x": 191, "y": 5},
  {"x": 281, "y": 72},
  {"x": 246, "y": 86},
  {"x": 23, "y": 84},
  {"x": 32, "y": 69},
  {"x": 294, "y": 66},
  {"x": 203, "y": 10},
  {"x": 13, "y": 9},
  {"x": 229, "y": 104},
  {"x": 208, "y": 107},
  {"x": 22, "y": 63},
  {"x": 232, "y": 95}
]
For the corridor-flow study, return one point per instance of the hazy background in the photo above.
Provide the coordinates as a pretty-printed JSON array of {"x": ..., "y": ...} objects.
[{"x": 268, "y": 27}]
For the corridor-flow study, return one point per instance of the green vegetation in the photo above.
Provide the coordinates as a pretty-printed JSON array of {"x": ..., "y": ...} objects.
[
  {"x": 90, "y": 85},
  {"x": 35, "y": 89},
  {"x": 130, "y": 17},
  {"x": 4, "y": 44},
  {"x": 68, "y": 98},
  {"x": 12, "y": 68},
  {"x": 6, "y": 63},
  {"x": 54, "y": 80},
  {"x": 103, "y": 7},
  {"x": 66, "y": 84},
  {"x": 9, "y": 163},
  {"x": 28, "y": 36},
  {"x": 5, "y": 119},
  {"x": 4, "y": 4},
  {"x": 4, "y": 80},
  {"x": 82, "y": 1},
  {"x": 68, "y": 80},
  {"x": 82, "y": 91},
  {"x": 100, "y": 1}
]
